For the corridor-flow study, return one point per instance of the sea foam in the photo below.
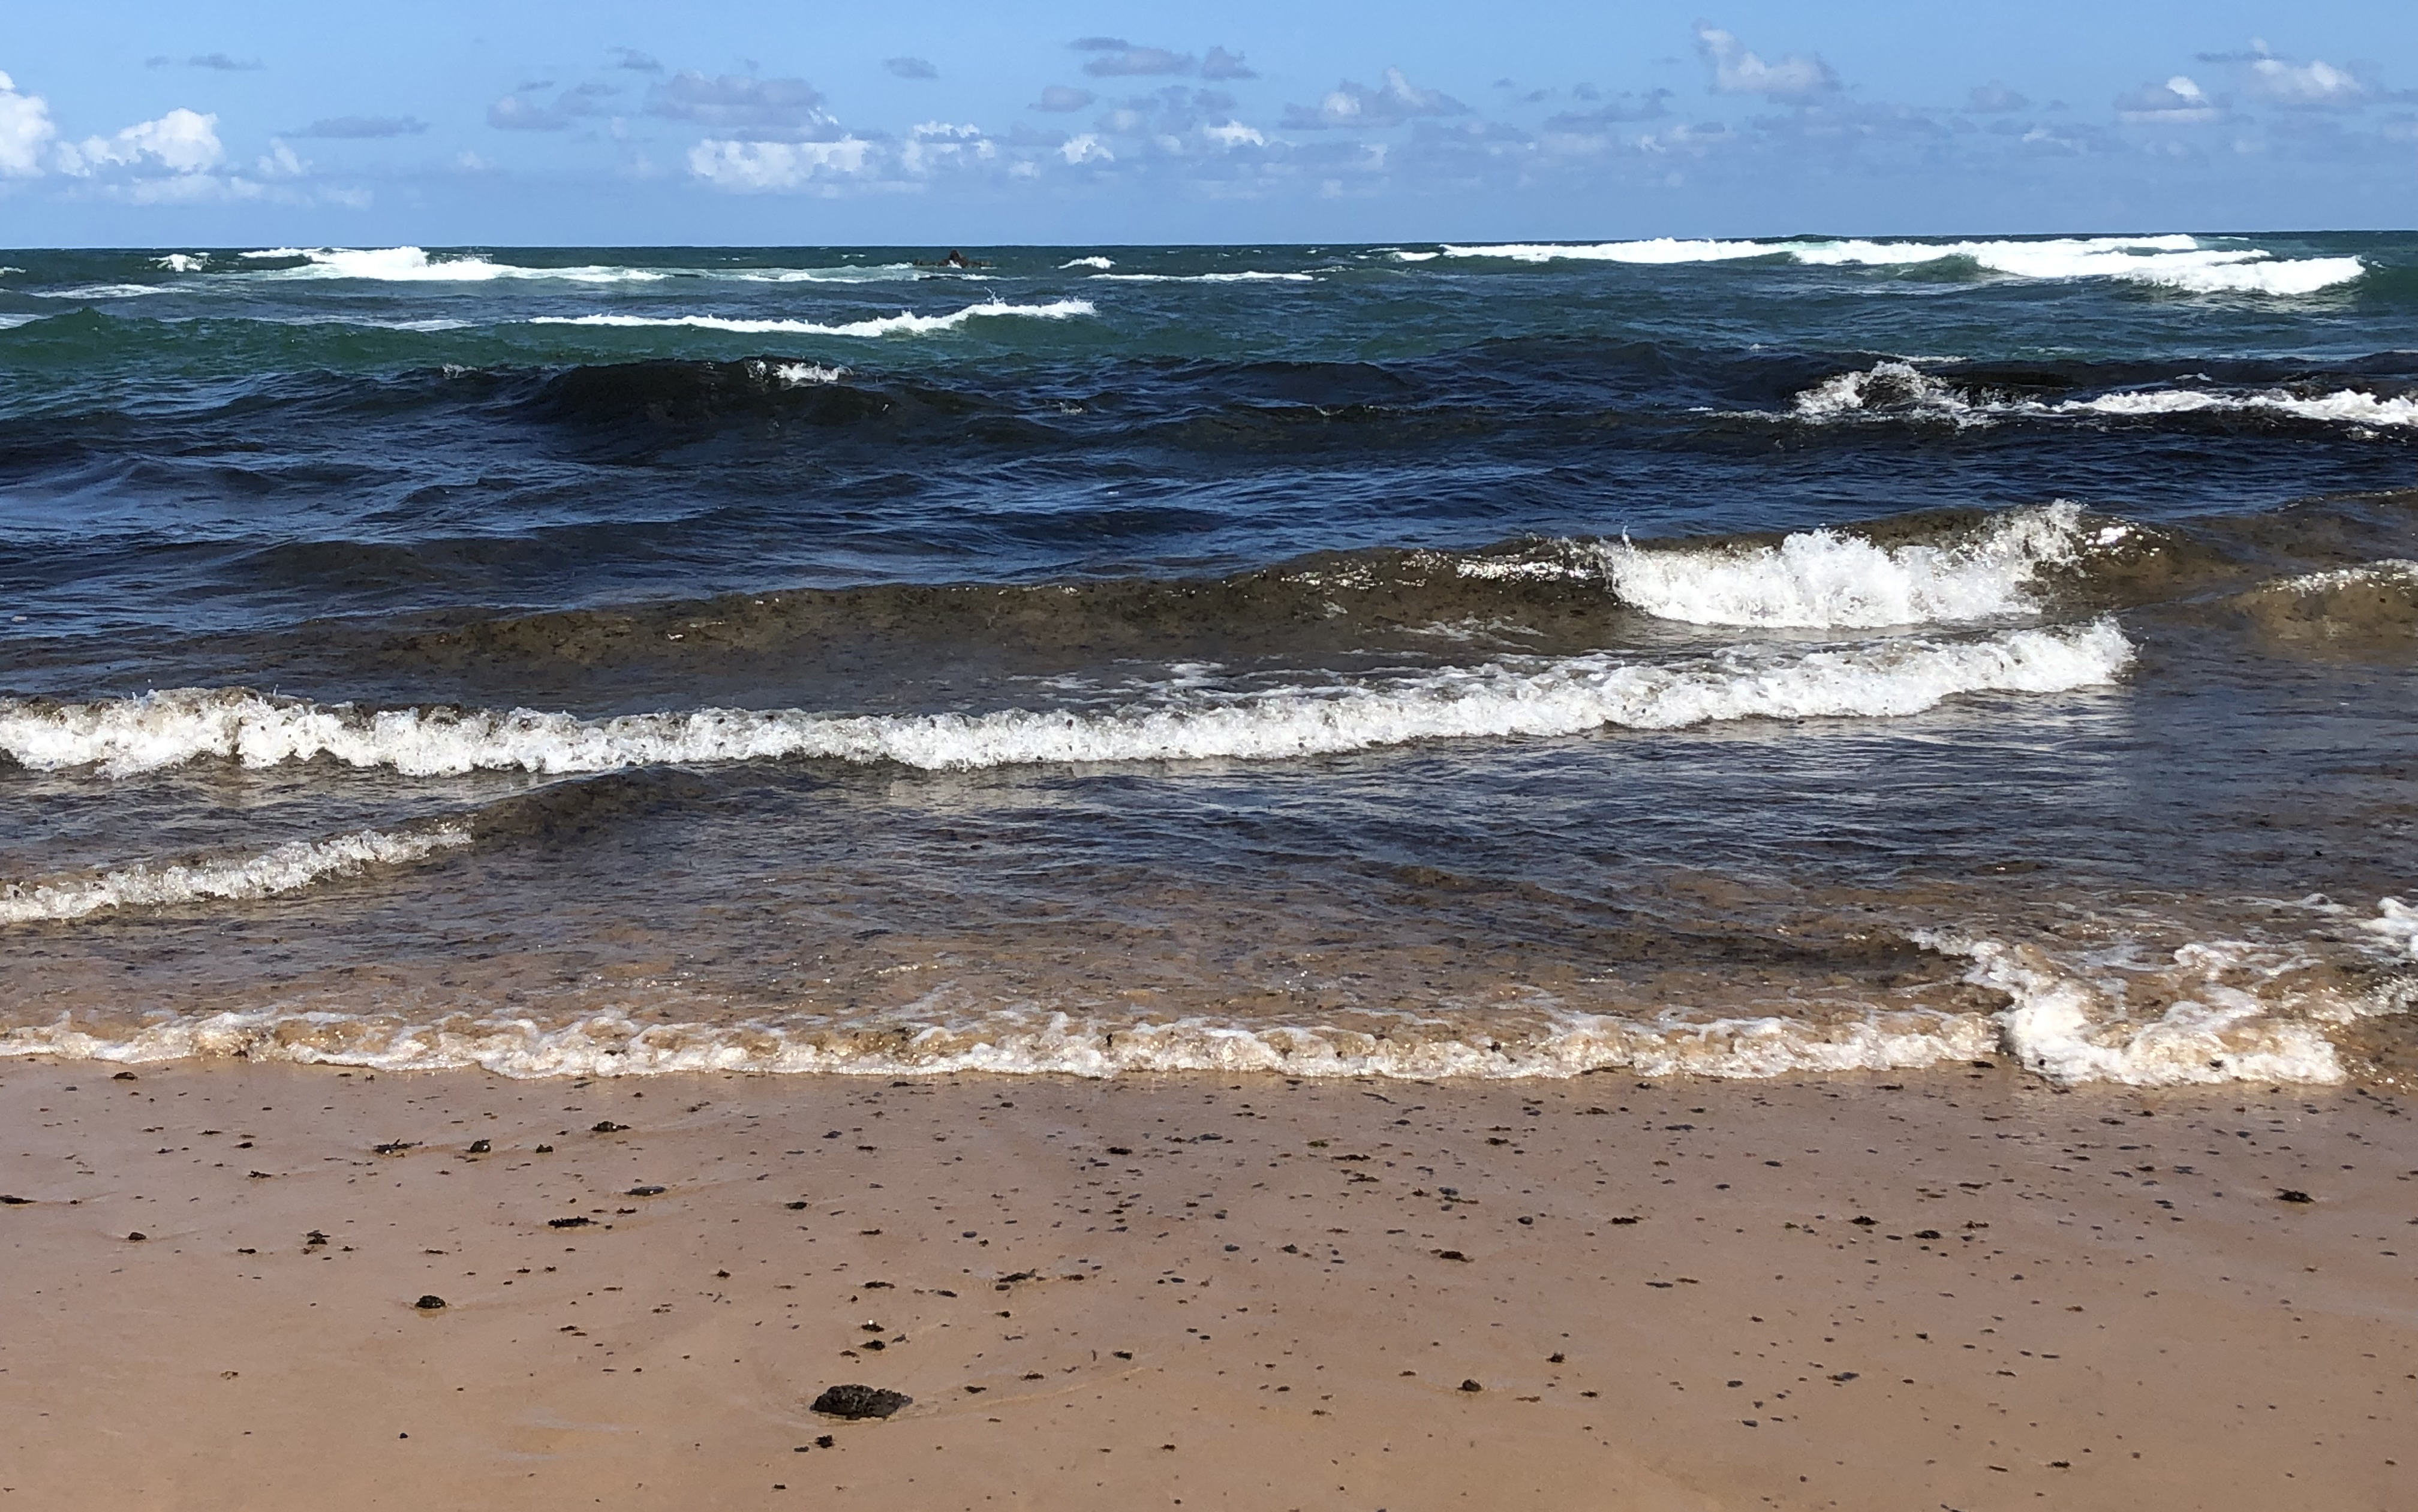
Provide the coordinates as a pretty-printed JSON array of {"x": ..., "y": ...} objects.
[
  {"x": 1526, "y": 696},
  {"x": 287, "y": 868}
]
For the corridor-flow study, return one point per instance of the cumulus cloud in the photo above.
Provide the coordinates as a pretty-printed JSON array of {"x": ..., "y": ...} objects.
[
  {"x": 1059, "y": 98},
  {"x": 180, "y": 142},
  {"x": 2178, "y": 101},
  {"x": 910, "y": 68},
  {"x": 742, "y": 104},
  {"x": 363, "y": 127},
  {"x": 1994, "y": 98},
  {"x": 1391, "y": 104},
  {"x": 774, "y": 167},
  {"x": 1221, "y": 64},
  {"x": 1114, "y": 58},
  {"x": 635, "y": 61},
  {"x": 25, "y": 130},
  {"x": 1085, "y": 149},
  {"x": 1799, "y": 76}
]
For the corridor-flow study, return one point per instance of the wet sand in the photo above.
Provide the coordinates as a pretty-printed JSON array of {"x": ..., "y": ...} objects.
[{"x": 1198, "y": 1292}]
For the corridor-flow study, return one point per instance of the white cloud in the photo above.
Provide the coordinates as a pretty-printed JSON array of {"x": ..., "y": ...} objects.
[
  {"x": 1234, "y": 135},
  {"x": 1086, "y": 149},
  {"x": 2178, "y": 101},
  {"x": 935, "y": 145},
  {"x": 180, "y": 142},
  {"x": 279, "y": 161},
  {"x": 771, "y": 167},
  {"x": 1391, "y": 104},
  {"x": 1738, "y": 72},
  {"x": 2313, "y": 83},
  {"x": 25, "y": 130}
]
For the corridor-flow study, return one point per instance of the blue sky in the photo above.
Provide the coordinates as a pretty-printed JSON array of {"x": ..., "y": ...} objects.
[{"x": 446, "y": 122}]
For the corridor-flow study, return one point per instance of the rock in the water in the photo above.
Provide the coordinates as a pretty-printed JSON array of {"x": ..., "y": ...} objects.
[{"x": 853, "y": 1402}]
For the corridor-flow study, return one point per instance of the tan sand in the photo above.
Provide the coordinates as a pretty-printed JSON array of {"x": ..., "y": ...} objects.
[{"x": 1200, "y": 1293}]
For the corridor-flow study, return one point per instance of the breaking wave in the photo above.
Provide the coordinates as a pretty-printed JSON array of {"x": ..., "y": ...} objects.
[
  {"x": 1824, "y": 579},
  {"x": 288, "y": 868},
  {"x": 901, "y": 324},
  {"x": 1895, "y": 388},
  {"x": 413, "y": 264},
  {"x": 1528, "y": 696}
]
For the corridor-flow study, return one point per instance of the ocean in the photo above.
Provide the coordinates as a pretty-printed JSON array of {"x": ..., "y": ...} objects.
[{"x": 1680, "y": 657}]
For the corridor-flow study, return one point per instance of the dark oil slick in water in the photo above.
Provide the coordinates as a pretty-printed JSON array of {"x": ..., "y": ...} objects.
[{"x": 1499, "y": 661}]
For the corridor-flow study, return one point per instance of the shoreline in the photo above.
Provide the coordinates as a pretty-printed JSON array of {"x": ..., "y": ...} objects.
[{"x": 1304, "y": 1275}]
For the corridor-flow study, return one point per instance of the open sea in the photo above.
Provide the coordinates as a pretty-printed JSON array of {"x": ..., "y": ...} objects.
[{"x": 1733, "y": 657}]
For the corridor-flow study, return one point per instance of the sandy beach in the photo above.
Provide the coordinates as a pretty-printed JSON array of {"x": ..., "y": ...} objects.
[{"x": 1964, "y": 1289}]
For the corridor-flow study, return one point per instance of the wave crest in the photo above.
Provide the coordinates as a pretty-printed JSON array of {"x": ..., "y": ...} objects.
[
  {"x": 1514, "y": 698},
  {"x": 288, "y": 868}
]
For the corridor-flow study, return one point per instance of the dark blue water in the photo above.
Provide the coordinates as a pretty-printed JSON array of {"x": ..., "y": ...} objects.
[{"x": 1505, "y": 660}]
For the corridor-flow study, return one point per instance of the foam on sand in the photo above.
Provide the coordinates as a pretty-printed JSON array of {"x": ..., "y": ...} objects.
[
  {"x": 1823, "y": 579},
  {"x": 902, "y": 324},
  {"x": 2071, "y": 1026},
  {"x": 288, "y": 868},
  {"x": 1526, "y": 696}
]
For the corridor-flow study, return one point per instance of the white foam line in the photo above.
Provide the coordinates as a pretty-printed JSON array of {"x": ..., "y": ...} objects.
[
  {"x": 902, "y": 324},
  {"x": 1823, "y": 579},
  {"x": 287, "y": 868},
  {"x": 1525, "y": 698},
  {"x": 1896, "y": 389},
  {"x": 2177, "y": 262},
  {"x": 1659, "y": 251},
  {"x": 1034, "y": 1042},
  {"x": 1207, "y": 278},
  {"x": 2345, "y": 406}
]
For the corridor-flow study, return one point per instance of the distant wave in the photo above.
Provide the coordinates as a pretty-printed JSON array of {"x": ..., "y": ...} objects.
[
  {"x": 287, "y": 868},
  {"x": 2177, "y": 262},
  {"x": 1511, "y": 697},
  {"x": 1088, "y": 262},
  {"x": 902, "y": 324}
]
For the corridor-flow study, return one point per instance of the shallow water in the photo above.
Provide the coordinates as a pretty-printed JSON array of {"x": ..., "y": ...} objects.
[{"x": 1491, "y": 661}]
